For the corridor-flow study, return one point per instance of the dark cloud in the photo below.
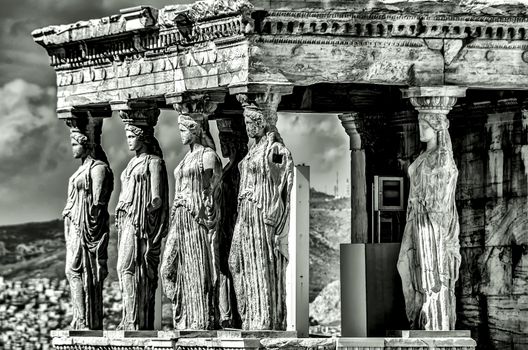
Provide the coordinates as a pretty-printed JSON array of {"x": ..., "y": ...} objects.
[
  {"x": 35, "y": 155},
  {"x": 21, "y": 57},
  {"x": 28, "y": 128}
]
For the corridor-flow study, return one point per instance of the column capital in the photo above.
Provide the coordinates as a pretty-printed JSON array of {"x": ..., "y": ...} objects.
[
  {"x": 138, "y": 113},
  {"x": 354, "y": 127},
  {"x": 266, "y": 103},
  {"x": 434, "y": 99},
  {"x": 263, "y": 97},
  {"x": 198, "y": 105}
]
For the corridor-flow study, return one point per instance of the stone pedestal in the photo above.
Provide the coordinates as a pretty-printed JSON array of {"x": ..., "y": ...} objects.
[
  {"x": 414, "y": 339},
  {"x": 187, "y": 340},
  {"x": 371, "y": 297}
]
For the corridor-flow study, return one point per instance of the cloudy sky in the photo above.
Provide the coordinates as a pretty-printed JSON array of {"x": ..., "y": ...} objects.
[{"x": 35, "y": 158}]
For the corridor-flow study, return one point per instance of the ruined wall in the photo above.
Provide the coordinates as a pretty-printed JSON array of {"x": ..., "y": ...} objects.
[
  {"x": 489, "y": 140},
  {"x": 490, "y": 145}
]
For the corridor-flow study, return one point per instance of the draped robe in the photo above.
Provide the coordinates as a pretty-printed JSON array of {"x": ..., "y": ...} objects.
[
  {"x": 430, "y": 251},
  {"x": 259, "y": 251},
  {"x": 190, "y": 260},
  {"x": 140, "y": 233},
  {"x": 86, "y": 230}
]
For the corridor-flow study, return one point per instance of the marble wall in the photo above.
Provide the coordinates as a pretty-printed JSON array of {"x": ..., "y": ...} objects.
[
  {"x": 490, "y": 145},
  {"x": 492, "y": 199}
]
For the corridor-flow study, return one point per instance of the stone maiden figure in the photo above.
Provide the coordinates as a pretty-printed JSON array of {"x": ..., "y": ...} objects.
[
  {"x": 259, "y": 251},
  {"x": 430, "y": 251},
  {"x": 86, "y": 226},
  {"x": 190, "y": 260},
  {"x": 142, "y": 222},
  {"x": 233, "y": 142}
]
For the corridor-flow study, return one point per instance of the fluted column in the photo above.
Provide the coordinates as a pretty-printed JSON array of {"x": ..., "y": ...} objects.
[
  {"x": 429, "y": 259},
  {"x": 358, "y": 183}
]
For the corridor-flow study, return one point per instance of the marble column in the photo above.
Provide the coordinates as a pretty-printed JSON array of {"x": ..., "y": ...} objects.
[
  {"x": 190, "y": 268},
  {"x": 234, "y": 146},
  {"x": 358, "y": 181},
  {"x": 259, "y": 252},
  {"x": 86, "y": 218},
  {"x": 524, "y": 146},
  {"x": 430, "y": 258},
  {"x": 498, "y": 125},
  {"x": 142, "y": 215}
]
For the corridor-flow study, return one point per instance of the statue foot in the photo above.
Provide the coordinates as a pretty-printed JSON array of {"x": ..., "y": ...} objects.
[
  {"x": 127, "y": 326},
  {"x": 78, "y": 324},
  {"x": 226, "y": 324}
]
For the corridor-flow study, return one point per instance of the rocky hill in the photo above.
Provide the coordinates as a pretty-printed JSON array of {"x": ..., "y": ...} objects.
[{"x": 37, "y": 250}]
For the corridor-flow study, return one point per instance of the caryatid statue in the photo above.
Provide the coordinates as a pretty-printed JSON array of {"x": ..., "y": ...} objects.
[
  {"x": 259, "y": 250},
  {"x": 429, "y": 258},
  {"x": 190, "y": 260},
  {"x": 86, "y": 223},
  {"x": 142, "y": 216},
  {"x": 233, "y": 143}
]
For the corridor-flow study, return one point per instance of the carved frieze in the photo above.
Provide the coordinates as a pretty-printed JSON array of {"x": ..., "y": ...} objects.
[
  {"x": 107, "y": 46},
  {"x": 346, "y": 23}
]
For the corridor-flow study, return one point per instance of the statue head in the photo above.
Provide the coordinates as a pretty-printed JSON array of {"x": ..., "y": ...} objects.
[
  {"x": 256, "y": 123},
  {"x": 139, "y": 129},
  {"x": 195, "y": 131},
  {"x": 433, "y": 126},
  {"x": 85, "y": 136},
  {"x": 79, "y": 143},
  {"x": 190, "y": 130},
  {"x": 430, "y": 124},
  {"x": 136, "y": 137},
  {"x": 141, "y": 137}
]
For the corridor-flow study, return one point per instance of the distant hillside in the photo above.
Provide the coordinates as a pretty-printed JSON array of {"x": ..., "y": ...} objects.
[
  {"x": 38, "y": 250},
  {"x": 321, "y": 200},
  {"x": 41, "y": 247},
  {"x": 14, "y": 235}
]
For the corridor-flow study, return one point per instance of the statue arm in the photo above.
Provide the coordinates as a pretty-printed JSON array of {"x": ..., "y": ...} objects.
[
  {"x": 211, "y": 211},
  {"x": 281, "y": 176},
  {"x": 98, "y": 174},
  {"x": 441, "y": 184},
  {"x": 211, "y": 178},
  {"x": 155, "y": 169}
]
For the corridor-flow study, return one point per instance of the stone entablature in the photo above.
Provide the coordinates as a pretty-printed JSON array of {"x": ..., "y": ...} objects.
[
  {"x": 146, "y": 53},
  {"x": 116, "y": 38}
]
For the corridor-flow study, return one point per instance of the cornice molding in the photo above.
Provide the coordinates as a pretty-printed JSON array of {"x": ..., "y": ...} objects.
[
  {"x": 104, "y": 41},
  {"x": 347, "y": 23}
]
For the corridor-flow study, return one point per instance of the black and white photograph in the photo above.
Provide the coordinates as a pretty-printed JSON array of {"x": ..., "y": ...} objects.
[{"x": 264, "y": 174}]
